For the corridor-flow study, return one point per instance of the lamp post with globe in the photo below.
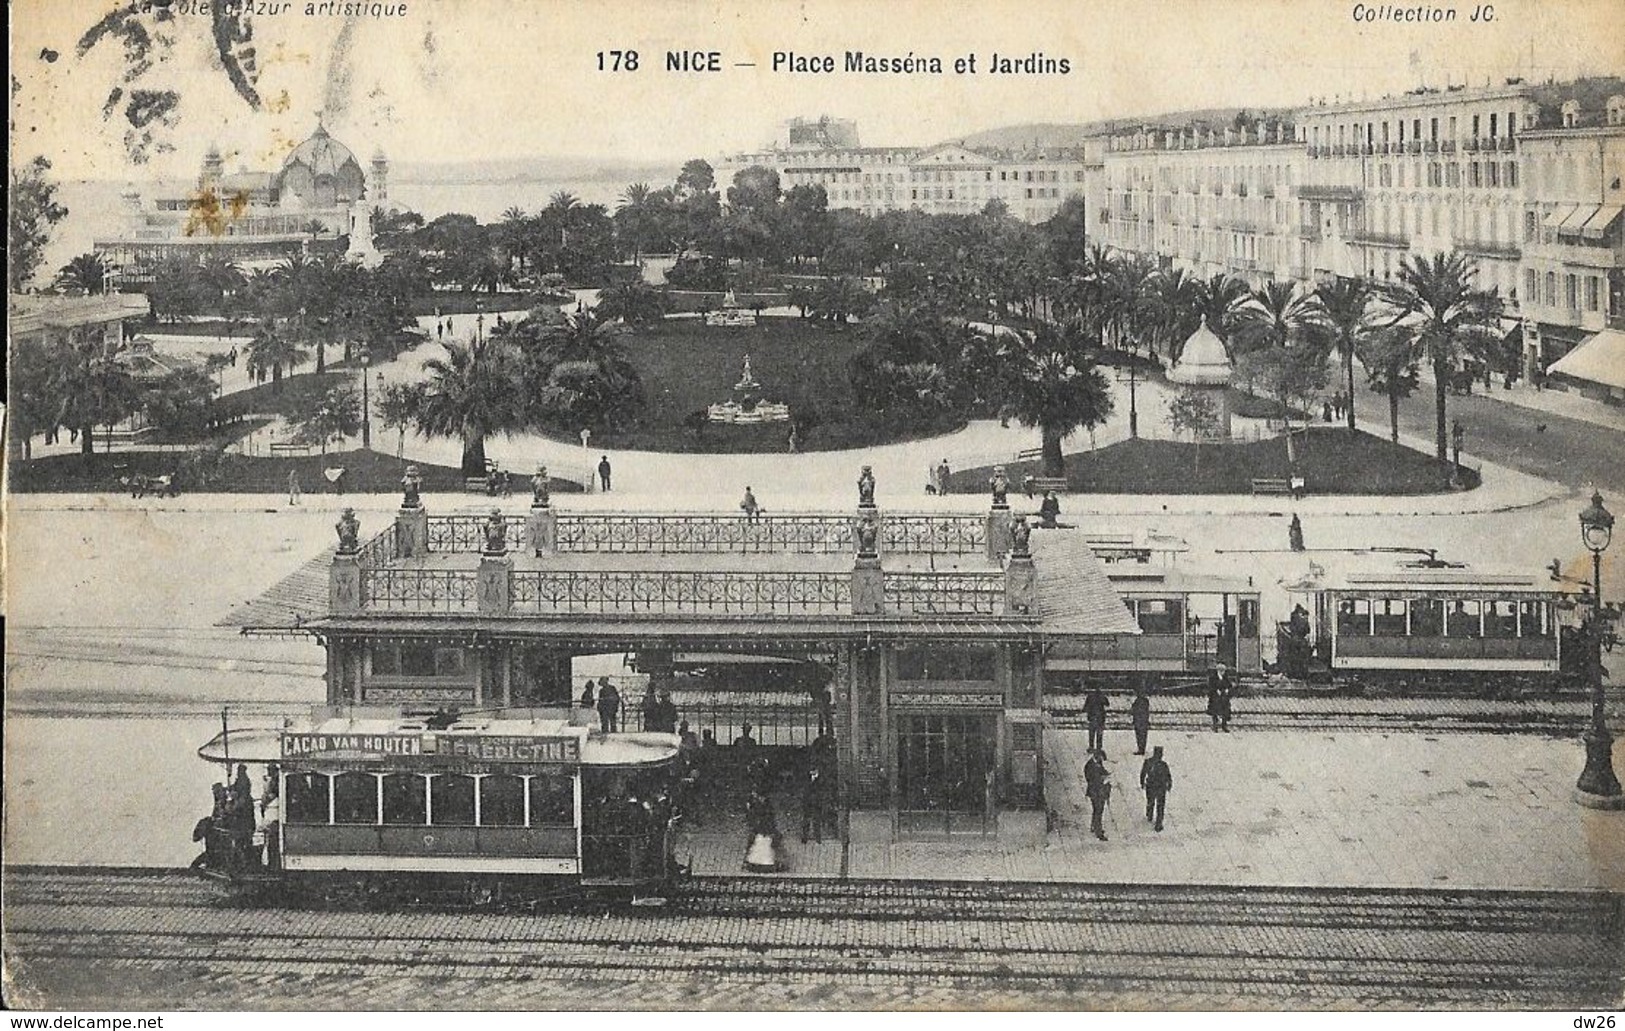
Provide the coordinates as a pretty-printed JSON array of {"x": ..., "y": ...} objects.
[
  {"x": 364, "y": 358},
  {"x": 1598, "y": 787}
]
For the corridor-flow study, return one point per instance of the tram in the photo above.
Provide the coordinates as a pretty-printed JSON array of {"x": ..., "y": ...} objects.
[
  {"x": 1428, "y": 625},
  {"x": 1189, "y": 624},
  {"x": 482, "y": 808}
]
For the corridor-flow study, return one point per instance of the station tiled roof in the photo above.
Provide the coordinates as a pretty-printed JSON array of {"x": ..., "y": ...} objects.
[{"x": 1074, "y": 594}]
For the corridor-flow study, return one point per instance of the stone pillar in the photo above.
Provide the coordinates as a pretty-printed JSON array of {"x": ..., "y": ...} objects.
[
  {"x": 870, "y": 784},
  {"x": 998, "y": 533},
  {"x": 1020, "y": 586},
  {"x": 542, "y": 527},
  {"x": 344, "y": 586},
  {"x": 411, "y": 532},
  {"x": 868, "y": 586},
  {"x": 493, "y": 585}
]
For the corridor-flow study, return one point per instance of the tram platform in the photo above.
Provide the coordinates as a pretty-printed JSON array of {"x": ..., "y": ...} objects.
[
  {"x": 1257, "y": 807},
  {"x": 1266, "y": 808}
]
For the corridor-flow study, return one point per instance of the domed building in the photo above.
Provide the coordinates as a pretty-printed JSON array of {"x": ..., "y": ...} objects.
[
  {"x": 320, "y": 173},
  {"x": 319, "y": 200},
  {"x": 1204, "y": 366}
]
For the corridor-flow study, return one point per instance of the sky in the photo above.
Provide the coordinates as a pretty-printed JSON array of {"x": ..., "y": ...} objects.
[{"x": 455, "y": 80}]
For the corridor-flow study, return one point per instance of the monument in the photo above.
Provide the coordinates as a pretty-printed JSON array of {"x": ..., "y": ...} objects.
[{"x": 747, "y": 404}]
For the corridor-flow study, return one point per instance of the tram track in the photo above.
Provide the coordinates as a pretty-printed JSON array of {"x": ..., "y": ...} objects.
[{"x": 1415, "y": 948}]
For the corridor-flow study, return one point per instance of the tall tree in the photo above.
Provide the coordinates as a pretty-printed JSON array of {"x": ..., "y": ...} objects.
[
  {"x": 1446, "y": 319},
  {"x": 274, "y": 350},
  {"x": 83, "y": 274},
  {"x": 1344, "y": 321},
  {"x": 1273, "y": 316},
  {"x": 33, "y": 210},
  {"x": 1390, "y": 361},
  {"x": 475, "y": 391},
  {"x": 1056, "y": 390}
]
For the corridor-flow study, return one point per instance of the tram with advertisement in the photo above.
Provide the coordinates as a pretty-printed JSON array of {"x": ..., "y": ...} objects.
[
  {"x": 479, "y": 809},
  {"x": 1427, "y": 625}
]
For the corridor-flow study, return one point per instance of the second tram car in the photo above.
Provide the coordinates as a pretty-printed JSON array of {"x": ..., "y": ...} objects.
[
  {"x": 1427, "y": 625},
  {"x": 480, "y": 807}
]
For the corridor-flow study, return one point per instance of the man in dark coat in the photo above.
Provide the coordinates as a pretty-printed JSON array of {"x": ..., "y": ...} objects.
[
  {"x": 609, "y": 705},
  {"x": 603, "y": 472},
  {"x": 1094, "y": 710},
  {"x": 1156, "y": 780},
  {"x": 817, "y": 791},
  {"x": 1098, "y": 789},
  {"x": 666, "y": 713},
  {"x": 1215, "y": 698},
  {"x": 1139, "y": 712}
]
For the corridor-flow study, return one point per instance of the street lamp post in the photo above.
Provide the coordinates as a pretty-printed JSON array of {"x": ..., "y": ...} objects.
[
  {"x": 365, "y": 358},
  {"x": 1598, "y": 787},
  {"x": 586, "y": 458}
]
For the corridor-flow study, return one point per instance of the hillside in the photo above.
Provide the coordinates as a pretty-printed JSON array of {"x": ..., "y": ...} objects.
[{"x": 1046, "y": 135}]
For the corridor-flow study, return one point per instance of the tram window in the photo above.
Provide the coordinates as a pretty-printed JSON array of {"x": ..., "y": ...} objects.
[
  {"x": 1532, "y": 619},
  {"x": 306, "y": 795},
  {"x": 552, "y": 800},
  {"x": 355, "y": 798},
  {"x": 1160, "y": 616},
  {"x": 502, "y": 801},
  {"x": 1388, "y": 617},
  {"x": 1462, "y": 619},
  {"x": 1501, "y": 619},
  {"x": 404, "y": 795},
  {"x": 452, "y": 795},
  {"x": 1427, "y": 617},
  {"x": 1247, "y": 617},
  {"x": 1354, "y": 618},
  {"x": 945, "y": 664}
]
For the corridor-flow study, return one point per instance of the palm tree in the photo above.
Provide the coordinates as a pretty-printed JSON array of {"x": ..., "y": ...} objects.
[
  {"x": 86, "y": 274},
  {"x": 1056, "y": 390},
  {"x": 1222, "y": 295},
  {"x": 1446, "y": 319},
  {"x": 1174, "y": 302},
  {"x": 470, "y": 394},
  {"x": 1343, "y": 305},
  {"x": 1390, "y": 366},
  {"x": 274, "y": 349},
  {"x": 1273, "y": 316},
  {"x": 90, "y": 387},
  {"x": 563, "y": 200}
]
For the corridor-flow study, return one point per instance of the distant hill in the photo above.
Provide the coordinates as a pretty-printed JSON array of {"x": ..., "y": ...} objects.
[
  {"x": 1047, "y": 135},
  {"x": 509, "y": 170}
]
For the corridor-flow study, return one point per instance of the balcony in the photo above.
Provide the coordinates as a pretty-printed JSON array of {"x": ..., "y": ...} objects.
[
  {"x": 1488, "y": 248},
  {"x": 1329, "y": 192},
  {"x": 1584, "y": 256},
  {"x": 1472, "y": 145},
  {"x": 1507, "y": 145},
  {"x": 1413, "y": 147},
  {"x": 1311, "y": 233},
  {"x": 1448, "y": 147},
  {"x": 1382, "y": 240}
]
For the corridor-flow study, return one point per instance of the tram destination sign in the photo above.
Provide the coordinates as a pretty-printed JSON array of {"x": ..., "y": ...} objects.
[{"x": 431, "y": 747}]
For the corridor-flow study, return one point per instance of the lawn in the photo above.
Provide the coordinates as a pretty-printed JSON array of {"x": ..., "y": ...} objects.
[
  {"x": 365, "y": 472},
  {"x": 1331, "y": 460},
  {"x": 686, "y": 366}
]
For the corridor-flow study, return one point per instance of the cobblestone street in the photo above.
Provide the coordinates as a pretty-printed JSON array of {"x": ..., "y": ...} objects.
[{"x": 94, "y": 940}]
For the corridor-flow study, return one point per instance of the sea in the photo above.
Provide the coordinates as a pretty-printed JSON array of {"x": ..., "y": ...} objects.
[{"x": 95, "y": 207}]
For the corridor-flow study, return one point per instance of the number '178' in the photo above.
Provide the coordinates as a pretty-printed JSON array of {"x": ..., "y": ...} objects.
[{"x": 617, "y": 60}]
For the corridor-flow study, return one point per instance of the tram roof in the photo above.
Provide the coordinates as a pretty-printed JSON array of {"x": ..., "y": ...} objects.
[
  {"x": 1450, "y": 579},
  {"x": 1138, "y": 580}
]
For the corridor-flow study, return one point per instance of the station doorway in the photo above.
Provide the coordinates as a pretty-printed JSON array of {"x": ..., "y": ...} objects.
[{"x": 945, "y": 774}]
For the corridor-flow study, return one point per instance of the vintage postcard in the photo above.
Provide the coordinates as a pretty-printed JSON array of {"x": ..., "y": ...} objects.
[{"x": 1098, "y": 505}]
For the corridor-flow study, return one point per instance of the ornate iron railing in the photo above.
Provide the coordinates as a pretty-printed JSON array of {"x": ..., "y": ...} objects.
[
  {"x": 552, "y": 591},
  {"x": 418, "y": 590},
  {"x": 933, "y": 534},
  {"x": 945, "y": 593},
  {"x": 805, "y": 534},
  {"x": 466, "y": 533},
  {"x": 380, "y": 550}
]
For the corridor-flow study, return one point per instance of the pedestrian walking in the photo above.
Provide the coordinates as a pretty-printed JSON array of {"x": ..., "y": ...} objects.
[
  {"x": 439, "y": 330},
  {"x": 1095, "y": 705},
  {"x": 603, "y": 473},
  {"x": 817, "y": 792},
  {"x": 750, "y": 507},
  {"x": 1139, "y": 712},
  {"x": 1098, "y": 788},
  {"x": 1218, "y": 697},
  {"x": 609, "y": 706},
  {"x": 293, "y": 487},
  {"x": 942, "y": 476},
  {"x": 1155, "y": 780}
]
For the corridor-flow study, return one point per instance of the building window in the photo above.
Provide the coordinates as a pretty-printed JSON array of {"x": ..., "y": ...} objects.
[
  {"x": 1464, "y": 618},
  {"x": 405, "y": 799},
  {"x": 1452, "y": 175},
  {"x": 1492, "y": 127},
  {"x": 1529, "y": 284},
  {"x": 1570, "y": 292},
  {"x": 502, "y": 801},
  {"x": 1531, "y": 227},
  {"x": 1551, "y": 289},
  {"x": 552, "y": 800},
  {"x": 945, "y": 664},
  {"x": 355, "y": 798},
  {"x": 306, "y": 795},
  {"x": 1510, "y": 178},
  {"x": 1475, "y": 174},
  {"x": 1354, "y": 618},
  {"x": 1494, "y": 171},
  {"x": 1427, "y": 617},
  {"x": 1593, "y": 293}
]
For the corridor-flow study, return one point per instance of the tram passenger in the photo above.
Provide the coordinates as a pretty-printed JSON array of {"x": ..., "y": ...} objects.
[
  {"x": 609, "y": 706},
  {"x": 666, "y": 713},
  {"x": 651, "y": 709},
  {"x": 218, "y": 841},
  {"x": 270, "y": 827}
]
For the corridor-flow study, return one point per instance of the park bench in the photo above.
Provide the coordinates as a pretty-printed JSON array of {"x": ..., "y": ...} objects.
[
  {"x": 1031, "y": 454},
  {"x": 289, "y": 448},
  {"x": 1044, "y": 484},
  {"x": 477, "y": 485},
  {"x": 1281, "y": 487}
]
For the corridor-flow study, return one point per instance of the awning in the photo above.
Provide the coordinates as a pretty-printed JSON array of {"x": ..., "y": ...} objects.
[
  {"x": 1560, "y": 215},
  {"x": 1577, "y": 218},
  {"x": 1598, "y": 225},
  {"x": 1599, "y": 360}
]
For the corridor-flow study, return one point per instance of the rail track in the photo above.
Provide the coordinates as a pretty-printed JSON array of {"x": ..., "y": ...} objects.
[{"x": 99, "y": 936}]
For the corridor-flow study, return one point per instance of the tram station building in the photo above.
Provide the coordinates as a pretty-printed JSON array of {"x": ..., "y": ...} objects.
[{"x": 921, "y": 639}]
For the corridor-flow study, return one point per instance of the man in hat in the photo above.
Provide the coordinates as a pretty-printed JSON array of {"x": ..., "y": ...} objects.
[
  {"x": 1098, "y": 789},
  {"x": 1156, "y": 780},
  {"x": 1139, "y": 712},
  {"x": 1095, "y": 705}
]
